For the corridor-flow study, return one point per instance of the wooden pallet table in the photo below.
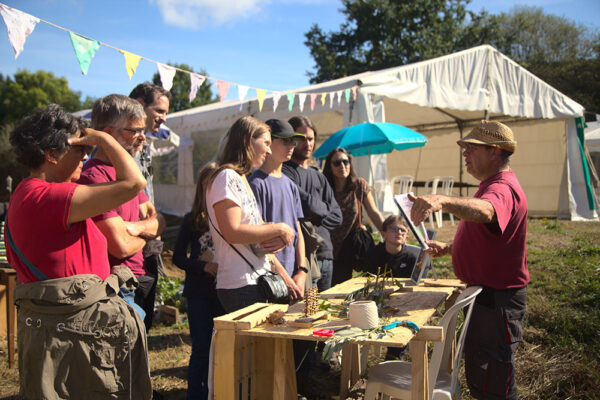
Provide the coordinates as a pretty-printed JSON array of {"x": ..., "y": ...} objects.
[{"x": 253, "y": 359}]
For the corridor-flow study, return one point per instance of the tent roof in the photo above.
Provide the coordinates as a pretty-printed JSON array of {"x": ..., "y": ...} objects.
[
  {"x": 592, "y": 136},
  {"x": 459, "y": 86}
]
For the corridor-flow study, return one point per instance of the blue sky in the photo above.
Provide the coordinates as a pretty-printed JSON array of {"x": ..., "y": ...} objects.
[{"x": 258, "y": 43}]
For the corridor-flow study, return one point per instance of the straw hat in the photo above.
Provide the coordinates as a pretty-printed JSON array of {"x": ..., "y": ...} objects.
[{"x": 491, "y": 133}]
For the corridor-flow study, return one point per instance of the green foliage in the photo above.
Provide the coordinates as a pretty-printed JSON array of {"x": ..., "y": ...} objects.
[
  {"x": 168, "y": 291},
  {"x": 379, "y": 34},
  {"x": 181, "y": 89},
  {"x": 8, "y": 163}
]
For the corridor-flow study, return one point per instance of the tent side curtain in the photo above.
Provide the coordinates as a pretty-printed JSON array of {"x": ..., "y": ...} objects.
[{"x": 481, "y": 78}]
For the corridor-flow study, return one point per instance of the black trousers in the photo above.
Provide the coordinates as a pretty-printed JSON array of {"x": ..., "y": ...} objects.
[
  {"x": 495, "y": 331},
  {"x": 145, "y": 294}
]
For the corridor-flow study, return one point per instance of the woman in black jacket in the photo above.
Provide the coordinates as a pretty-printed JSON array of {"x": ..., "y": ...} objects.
[{"x": 199, "y": 288}]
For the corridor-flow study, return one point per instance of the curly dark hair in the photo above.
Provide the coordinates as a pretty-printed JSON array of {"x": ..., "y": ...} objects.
[
  {"x": 44, "y": 129},
  {"x": 351, "y": 180},
  {"x": 149, "y": 92}
]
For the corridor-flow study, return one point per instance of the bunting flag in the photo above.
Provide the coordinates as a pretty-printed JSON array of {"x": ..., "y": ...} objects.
[
  {"x": 131, "y": 62},
  {"x": 276, "y": 97},
  {"x": 301, "y": 101},
  {"x": 339, "y": 97},
  {"x": 323, "y": 95},
  {"x": 242, "y": 92},
  {"x": 222, "y": 88},
  {"x": 85, "y": 49},
  {"x": 196, "y": 81},
  {"x": 331, "y": 96},
  {"x": 19, "y": 25},
  {"x": 290, "y": 97},
  {"x": 260, "y": 95},
  {"x": 354, "y": 92},
  {"x": 167, "y": 73},
  {"x": 313, "y": 97},
  {"x": 347, "y": 95}
]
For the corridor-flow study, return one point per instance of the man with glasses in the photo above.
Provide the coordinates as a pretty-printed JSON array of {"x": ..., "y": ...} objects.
[
  {"x": 489, "y": 249},
  {"x": 278, "y": 198},
  {"x": 128, "y": 227}
]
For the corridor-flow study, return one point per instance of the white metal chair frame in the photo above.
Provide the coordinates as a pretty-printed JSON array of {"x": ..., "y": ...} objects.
[
  {"x": 447, "y": 183},
  {"x": 431, "y": 186},
  {"x": 393, "y": 378},
  {"x": 405, "y": 182}
]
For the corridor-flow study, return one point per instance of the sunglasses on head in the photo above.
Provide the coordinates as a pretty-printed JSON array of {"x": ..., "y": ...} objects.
[{"x": 337, "y": 163}]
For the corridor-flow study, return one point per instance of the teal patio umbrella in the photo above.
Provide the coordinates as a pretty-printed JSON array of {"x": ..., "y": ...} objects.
[{"x": 371, "y": 138}]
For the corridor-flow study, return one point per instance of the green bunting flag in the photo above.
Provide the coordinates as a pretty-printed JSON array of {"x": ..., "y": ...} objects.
[
  {"x": 290, "y": 97},
  {"x": 84, "y": 50}
]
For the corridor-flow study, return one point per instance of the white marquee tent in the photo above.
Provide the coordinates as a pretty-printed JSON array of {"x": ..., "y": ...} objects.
[{"x": 441, "y": 98}]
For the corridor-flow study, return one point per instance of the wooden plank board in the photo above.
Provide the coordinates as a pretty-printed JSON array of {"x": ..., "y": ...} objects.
[{"x": 307, "y": 322}]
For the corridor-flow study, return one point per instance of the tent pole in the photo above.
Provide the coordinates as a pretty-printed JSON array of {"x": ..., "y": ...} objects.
[{"x": 460, "y": 163}]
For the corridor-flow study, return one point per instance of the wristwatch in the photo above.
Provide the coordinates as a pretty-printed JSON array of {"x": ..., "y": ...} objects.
[{"x": 301, "y": 268}]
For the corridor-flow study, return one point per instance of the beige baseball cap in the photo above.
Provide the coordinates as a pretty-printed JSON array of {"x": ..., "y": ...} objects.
[{"x": 491, "y": 133}]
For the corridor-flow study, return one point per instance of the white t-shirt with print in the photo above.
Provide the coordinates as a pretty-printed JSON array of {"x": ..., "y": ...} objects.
[{"x": 233, "y": 271}]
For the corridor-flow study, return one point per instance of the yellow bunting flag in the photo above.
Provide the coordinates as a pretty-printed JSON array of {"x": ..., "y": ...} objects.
[
  {"x": 323, "y": 95},
  {"x": 131, "y": 62},
  {"x": 260, "y": 95}
]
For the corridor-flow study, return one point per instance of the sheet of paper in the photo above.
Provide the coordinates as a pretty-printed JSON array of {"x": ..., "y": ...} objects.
[{"x": 405, "y": 205}]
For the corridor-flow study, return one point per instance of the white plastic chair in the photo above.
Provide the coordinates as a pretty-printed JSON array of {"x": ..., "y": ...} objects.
[
  {"x": 393, "y": 378},
  {"x": 405, "y": 183},
  {"x": 447, "y": 183},
  {"x": 431, "y": 186}
]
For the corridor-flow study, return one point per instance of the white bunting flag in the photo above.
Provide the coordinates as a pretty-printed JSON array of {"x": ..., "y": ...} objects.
[
  {"x": 331, "y": 96},
  {"x": 196, "y": 81},
  {"x": 339, "y": 97},
  {"x": 242, "y": 92},
  {"x": 276, "y": 97},
  {"x": 301, "y": 100},
  {"x": 167, "y": 73},
  {"x": 19, "y": 25}
]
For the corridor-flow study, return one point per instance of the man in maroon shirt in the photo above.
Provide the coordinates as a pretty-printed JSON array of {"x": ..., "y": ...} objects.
[{"x": 489, "y": 249}]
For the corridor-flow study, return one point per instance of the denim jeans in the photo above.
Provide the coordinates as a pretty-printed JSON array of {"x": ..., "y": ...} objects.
[
  {"x": 326, "y": 267},
  {"x": 129, "y": 297},
  {"x": 201, "y": 312},
  {"x": 235, "y": 299}
]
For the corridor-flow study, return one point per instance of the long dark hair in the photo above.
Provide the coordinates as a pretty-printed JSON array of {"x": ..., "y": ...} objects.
[
  {"x": 199, "y": 221},
  {"x": 351, "y": 180}
]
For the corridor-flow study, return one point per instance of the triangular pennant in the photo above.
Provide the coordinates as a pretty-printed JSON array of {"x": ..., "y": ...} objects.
[
  {"x": 19, "y": 25},
  {"x": 84, "y": 50},
  {"x": 301, "y": 101},
  {"x": 290, "y": 97},
  {"x": 347, "y": 95},
  {"x": 167, "y": 73},
  {"x": 131, "y": 62},
  {"x": 242, "y": 92},
  {"x": 339, "y": 97},
  {"x": 260, "y": 95},
  {"x": 331, "y": 95},
  {"x": 313, "y": 98},
  {"x": 196, "y": 81},
  {"x": 354, "y": 92},
  {"x": 323, "y": 96},
  {"x": 276, "y": 97},
  {"x": 222, "y": 88}
]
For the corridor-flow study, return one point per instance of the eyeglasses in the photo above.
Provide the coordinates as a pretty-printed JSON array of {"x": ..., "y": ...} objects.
[
  {"x": 136, "y": 132},
  {"x": 337, "y": 163},
  {"x": 397, "y": 229},
  {"x": 474, "y": 146},
  {"x": 289, "y": 141}
]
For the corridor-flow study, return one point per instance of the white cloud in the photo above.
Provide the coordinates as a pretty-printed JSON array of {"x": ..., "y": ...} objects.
[{"x": 197, "y": 13}]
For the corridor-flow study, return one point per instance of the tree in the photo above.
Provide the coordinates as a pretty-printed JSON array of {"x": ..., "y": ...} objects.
[
  {"x": 27, "y": 91},
  {"x": 180, "y": 91},
  {"x": 379, "y": 34}
]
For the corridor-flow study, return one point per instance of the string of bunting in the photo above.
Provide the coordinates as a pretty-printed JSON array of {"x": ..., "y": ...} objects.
[{"x": 20, "y": 25}]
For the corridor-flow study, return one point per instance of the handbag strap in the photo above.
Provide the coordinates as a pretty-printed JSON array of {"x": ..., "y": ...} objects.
[
  {"x": 32, "y": 268},
  {"x": 232, "y": 246},
  {"x": 360, "y": 204}
]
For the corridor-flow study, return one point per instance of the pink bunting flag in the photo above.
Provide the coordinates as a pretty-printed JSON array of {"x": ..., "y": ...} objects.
[
  {"x": 301, "y": 101},
  {"x": 276, "y": 97},
  {"x": 260, "y": 95},
  {"x": 196, "y": 81},
  {"x": 167, "y": 73},
  {"x": 222, "y": 88},
  {"x": 347, "y": 95},
  {"x": 354, "y": 92},
  {"x": 19, "y": 25},
  {"x": 313, "y": 98},
  {"x": 242, "y": 92}
]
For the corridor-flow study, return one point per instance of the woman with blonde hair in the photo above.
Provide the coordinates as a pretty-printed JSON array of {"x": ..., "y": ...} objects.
[{"x": 235, "y": 222}]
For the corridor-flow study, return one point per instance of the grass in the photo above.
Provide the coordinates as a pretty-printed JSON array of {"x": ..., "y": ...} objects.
[{"x": 558, "y": 358}]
